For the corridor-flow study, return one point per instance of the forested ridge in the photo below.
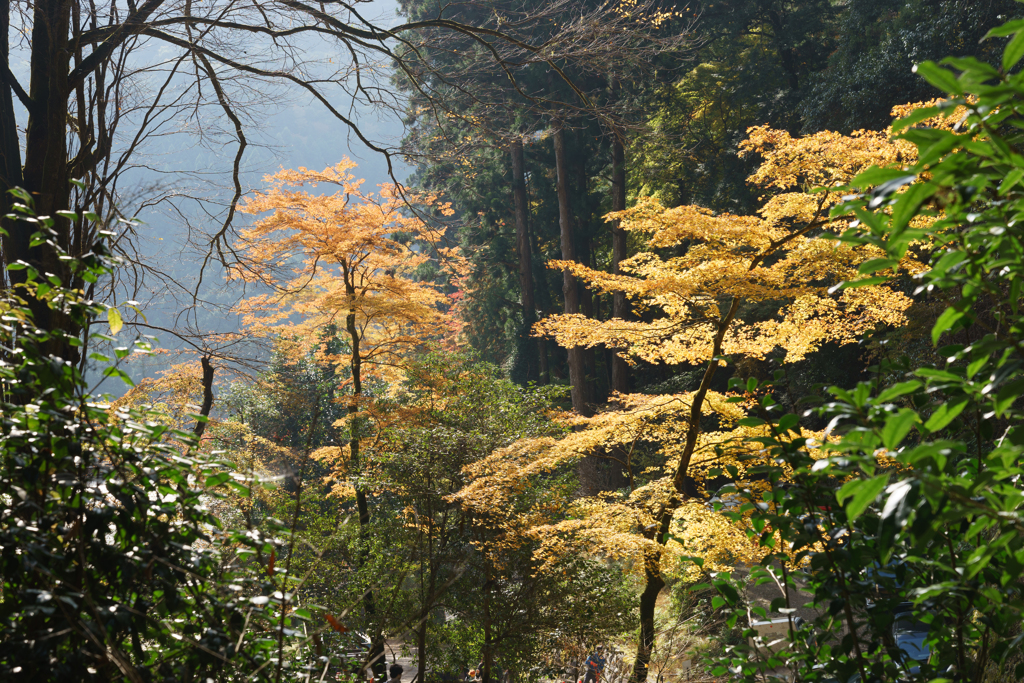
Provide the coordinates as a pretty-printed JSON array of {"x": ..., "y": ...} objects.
[{"x": 690, "y": 350}]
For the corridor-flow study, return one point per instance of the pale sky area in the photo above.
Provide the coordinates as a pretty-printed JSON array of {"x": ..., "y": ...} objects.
[{"x": 290, "y": 130}]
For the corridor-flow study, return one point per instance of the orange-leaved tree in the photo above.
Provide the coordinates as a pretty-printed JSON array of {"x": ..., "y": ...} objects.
[
  {"x": 345, "y": 263},
  {"x": 700, "y": 291}
]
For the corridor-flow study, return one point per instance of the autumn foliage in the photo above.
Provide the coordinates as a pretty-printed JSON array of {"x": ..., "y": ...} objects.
[
  {"x": 326, "y": 257},
  {"x": 709, "y": 290}
]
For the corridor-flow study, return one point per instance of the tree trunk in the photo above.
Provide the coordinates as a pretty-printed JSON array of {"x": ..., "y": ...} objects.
[
  {"x": 10, "y": 150},
  {"x": 421, "y": 651},
  {"x": 487, "y": 656},
  {"x": 204, "y": 410},
  {"x": 620, "y": 370},
  {"x": 44, "y": 174},
  {"x": 376, "y": 656},
  {"x": 577, "y": 375},
  {"x": 652, "y": 564},
  {"x": 542, "y": 348},
  {"x": 585, "y": 255},
  {"x": 648, "y": 600},
  {"x": 522, "y": 230},
  {"x": 523, "y": 245}
]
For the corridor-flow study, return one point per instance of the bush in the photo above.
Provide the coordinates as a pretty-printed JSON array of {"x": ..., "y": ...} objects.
[
  {"x": 112, "y": 566},
  {"x": 915, "y": 502}
]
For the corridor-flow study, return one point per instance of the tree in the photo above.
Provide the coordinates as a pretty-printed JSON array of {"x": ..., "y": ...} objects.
[
  {"x": 752, "y": 65},
  {"x": 482, "y": 116},
  {"x": 878, "y": 43},
  {"x": 351, "y": 258},
  {"x": 713, "y": 289},
  {"x": 456, "y": 411}
]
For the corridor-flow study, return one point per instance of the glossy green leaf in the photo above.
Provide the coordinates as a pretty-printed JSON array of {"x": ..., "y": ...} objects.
[
  {"x": 1014, "y": 51},
  {"x": 860, "y": 493},
  {"x": 897, "y": 427},
  {"x": 897, "y": 390},
  {"x": 941, "y": 78},
  {"x": 944, "y": 414}
]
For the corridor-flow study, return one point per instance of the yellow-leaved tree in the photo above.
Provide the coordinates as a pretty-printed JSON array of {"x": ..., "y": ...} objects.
[
  {"x": 700, "y": 289},
  {"x": 345, "y": 264}
]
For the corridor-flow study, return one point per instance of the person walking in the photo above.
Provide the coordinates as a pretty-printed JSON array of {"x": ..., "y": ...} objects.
[
  {"x": 595, "y": 666},
  {"x": 396, "y": 671}
]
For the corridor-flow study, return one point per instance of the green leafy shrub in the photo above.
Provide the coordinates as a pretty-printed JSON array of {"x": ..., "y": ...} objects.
[
  {"x": 939, "y": 526},
  {"x": 112, "y": 566}
]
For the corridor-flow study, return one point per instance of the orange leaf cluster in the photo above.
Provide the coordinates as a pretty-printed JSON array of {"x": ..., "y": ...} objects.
[{"x": 347, "y": 259}]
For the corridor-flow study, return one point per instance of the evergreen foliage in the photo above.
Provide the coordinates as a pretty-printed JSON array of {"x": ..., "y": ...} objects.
[
  {"x": 113, "y": 563},
  {"x": 931, "y": 529}
]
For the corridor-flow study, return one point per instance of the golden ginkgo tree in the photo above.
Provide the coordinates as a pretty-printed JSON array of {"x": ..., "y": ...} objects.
[{"x": 700, "y": 289}]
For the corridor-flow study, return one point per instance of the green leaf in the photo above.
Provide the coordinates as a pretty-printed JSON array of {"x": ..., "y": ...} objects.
[
  {"x": 1013, "y": 52},
  {"x": 861, "y": 493},
  {"x": 215, "y": 480},
  {"x": 948, "y": 260},
  {"x": 897, "y": 427},
  {"x": 945, "y": 414},
  {"x": 871, "y": 265},
  {"x": 897, "y": 390},
  {"x": 788, "y": 422},
  {"x": 948, "y": 318},
  {"x": 1008, "y": 393},
  {"x": 866, "y": 282},
  {"x": 114, "y": 320},
  {"x": 911, "y": 119},
  {"x": 1006, "y": 29},
  {"x": 908, "y": 205},
  {"x": 943, "y": 79},
  {"x": 1011, "y": 179},
  {"x": 976, "y": 365},
  {"x": 877, "y": 175}
]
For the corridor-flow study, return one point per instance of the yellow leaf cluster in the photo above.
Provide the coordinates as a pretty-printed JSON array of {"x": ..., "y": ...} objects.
[{"x": 777, "y": 276}]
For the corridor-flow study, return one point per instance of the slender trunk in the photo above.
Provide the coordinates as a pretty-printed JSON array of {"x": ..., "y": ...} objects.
[
  {"x": 531, "y": 237},
  {"x": 10, "y": 150},
  {"x": 577, "y": 376},
  {"x": 545, "y": 374},
  {"x": 204, "y": 411},
  {"x": 585, "y": 255},
  {"x": 376, "y": 655},
  {"x": 522, "y": 230},
  {"x": 652, "y": 567},
  {"x": 487, "y": 655},
  {"x": 648, "y": 600},
  {"x": 620, "y": 370},
  {"x": 421, "y": 650}
]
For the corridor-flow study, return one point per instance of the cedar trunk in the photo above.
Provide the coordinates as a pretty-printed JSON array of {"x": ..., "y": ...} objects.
[
  {"x": 522, "y": 211},
  {"x": 44, "y": 173},
  {"x": 570, "y": 289}
]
